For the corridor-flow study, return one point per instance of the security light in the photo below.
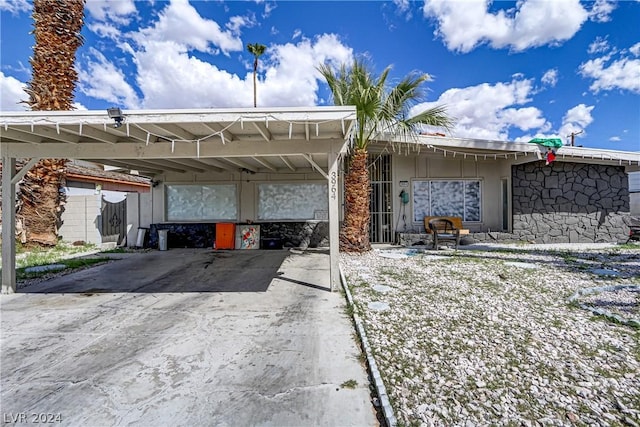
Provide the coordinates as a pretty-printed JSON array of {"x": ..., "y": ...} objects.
[{"x": 115, "y": 113}]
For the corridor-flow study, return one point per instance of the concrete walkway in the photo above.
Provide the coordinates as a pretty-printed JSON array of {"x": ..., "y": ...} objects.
[{"x": 186, "y": 337}]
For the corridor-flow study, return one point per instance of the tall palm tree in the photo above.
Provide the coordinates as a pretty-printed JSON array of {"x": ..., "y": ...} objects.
[
  {"x": 381, "y": 111},
  {"x": 257, "y": 50},
  {"x": 57, "y": 27}
]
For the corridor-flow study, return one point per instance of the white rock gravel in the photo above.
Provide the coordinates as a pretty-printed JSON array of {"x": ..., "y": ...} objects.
[{"x": 470, "y": 339}]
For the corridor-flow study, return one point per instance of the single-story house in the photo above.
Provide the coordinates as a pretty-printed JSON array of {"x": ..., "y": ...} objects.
[
  {"x": 502, "y": 190},
  {"x": 95, "y": 207},
  {"x": 281, "y": 169}
]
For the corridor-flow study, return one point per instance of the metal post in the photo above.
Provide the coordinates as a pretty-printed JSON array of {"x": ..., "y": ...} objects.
[
  {"x": 8, "y": 225},
  {"x": 334, "y": 221}
]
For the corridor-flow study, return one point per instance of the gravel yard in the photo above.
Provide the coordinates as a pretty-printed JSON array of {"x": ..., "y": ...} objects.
[{"x": 493, "y": 336}]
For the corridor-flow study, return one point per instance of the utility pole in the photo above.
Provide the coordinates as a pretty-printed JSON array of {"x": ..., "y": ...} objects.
[{"x": 573, "y": 135}]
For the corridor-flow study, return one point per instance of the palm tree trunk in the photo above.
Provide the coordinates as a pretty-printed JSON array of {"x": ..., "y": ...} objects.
[
  {"x": 40, "y": 202},
  {"x": 354, "y": 236},
  {"x": 255, "y": 90},
  {"x": 57, "y": 31}
]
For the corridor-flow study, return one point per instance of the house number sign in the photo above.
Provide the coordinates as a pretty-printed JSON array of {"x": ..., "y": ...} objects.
[{"x": 334, "y": 185}]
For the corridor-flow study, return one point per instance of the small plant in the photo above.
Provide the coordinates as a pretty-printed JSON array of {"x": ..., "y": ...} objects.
[
  {"x": 349, "y": 384},
  {"x": 115, "y": 251}
]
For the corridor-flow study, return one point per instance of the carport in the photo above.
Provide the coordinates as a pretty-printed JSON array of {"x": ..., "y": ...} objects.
[{"x": 154, "y": 141}]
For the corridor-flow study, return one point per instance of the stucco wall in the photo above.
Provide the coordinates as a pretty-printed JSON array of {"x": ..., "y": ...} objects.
[
  {"x": 423, "y": 166},
  {"x": 247, "y": 188},
  {"x": 570, "y": 202}
]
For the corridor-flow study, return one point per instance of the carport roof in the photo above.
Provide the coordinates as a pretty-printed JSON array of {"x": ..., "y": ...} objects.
[
  {"x": 154, "y": 141},
  {"x": 188, "y": 140}
]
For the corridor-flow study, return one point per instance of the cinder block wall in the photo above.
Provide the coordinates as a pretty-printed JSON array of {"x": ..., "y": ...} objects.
[
  {"x": 80, "y": 219},
  {"x": 570, "y": 202}
]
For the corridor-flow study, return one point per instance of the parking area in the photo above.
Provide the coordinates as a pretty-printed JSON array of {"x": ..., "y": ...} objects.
[{"x": 185, "y": 337}]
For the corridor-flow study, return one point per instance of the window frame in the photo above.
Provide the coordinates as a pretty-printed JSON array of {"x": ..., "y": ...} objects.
[
  {"x": 319, "y": 214},
  {"x": 463, "y": 214},
  {"x": 235, "y": 199}
]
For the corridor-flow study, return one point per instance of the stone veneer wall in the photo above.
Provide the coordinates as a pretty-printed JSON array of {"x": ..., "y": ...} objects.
[
  {"x": 201, "y": 235},
  {"x": 570, "y": 203}
]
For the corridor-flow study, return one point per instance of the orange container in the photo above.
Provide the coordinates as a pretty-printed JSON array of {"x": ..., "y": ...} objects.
[{"x": 225, "y": 235}]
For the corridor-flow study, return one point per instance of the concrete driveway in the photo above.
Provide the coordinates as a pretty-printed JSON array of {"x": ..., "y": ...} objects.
[{"x": 185, "y": 337}]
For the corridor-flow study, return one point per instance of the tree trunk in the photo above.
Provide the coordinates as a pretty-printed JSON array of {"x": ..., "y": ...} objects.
[
  {"x": 354, "y": 235},
  {"x": 41, "y": 202},
  {"x": 57, "y": 27}
]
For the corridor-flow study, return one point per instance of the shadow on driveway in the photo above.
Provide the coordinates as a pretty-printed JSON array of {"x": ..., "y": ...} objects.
[{"x": 176, "y": 270}]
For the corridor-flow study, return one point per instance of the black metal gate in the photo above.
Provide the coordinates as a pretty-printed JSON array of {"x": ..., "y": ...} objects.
[
  {"x": 381, "y": 226},
  {"x": 114, "y": 221}
]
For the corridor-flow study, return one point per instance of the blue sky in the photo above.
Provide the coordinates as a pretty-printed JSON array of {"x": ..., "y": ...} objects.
[{"x": 505, "y": 70}]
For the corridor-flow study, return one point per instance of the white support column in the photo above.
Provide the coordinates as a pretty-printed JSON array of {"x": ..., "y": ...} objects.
[
  {"x": 334, "y": 220},
  {"x": 8, "y": 225}
]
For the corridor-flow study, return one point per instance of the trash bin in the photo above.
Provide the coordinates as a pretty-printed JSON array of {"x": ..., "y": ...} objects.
[
  {"x": 142, "y": 233},
  {"x": 162, "y": 239}
]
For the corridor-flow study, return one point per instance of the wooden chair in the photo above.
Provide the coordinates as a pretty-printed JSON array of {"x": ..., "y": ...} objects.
[{"x": 443, "y": 229}]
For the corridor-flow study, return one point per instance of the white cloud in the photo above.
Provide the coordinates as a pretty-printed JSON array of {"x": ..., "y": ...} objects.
[
  {"x": 622, "y": 73},
  {"x": 101, "y": 79},
  {"x": 489, "y": 111},
  {"x": 188, "y": 81},
  {"x": 599, "y": 45},
  {"x": 289, "y": 76},
  {"x": 180, "y": 23},
  {"x": 120, "y": 11},
  {"x": 635, "y": 49},
  {"x": 14, "y": 7},
  {"x": 169, "y": 73},
  {"x": 236, "y": 23},
  {"x": 104, "y": 30},
  {"x": 402, "y": 5},
  {"x": 576, "y": 120},
  {"x": 550, "y": 77},
  {"x": 463, "y": 25},
  {"x": 601, "y": 10},
  {"x": 615, "y": 138},
  {"x": 12, "y": 91}
]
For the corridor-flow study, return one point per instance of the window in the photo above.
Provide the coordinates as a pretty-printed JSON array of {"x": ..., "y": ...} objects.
[
  {"x": 292, "y": 201},
  {"x": 213, "y": 202},
  {"x": 446, "y": 198}
]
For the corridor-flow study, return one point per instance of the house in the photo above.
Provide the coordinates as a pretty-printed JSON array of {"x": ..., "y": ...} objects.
[
  {"x": 502, "y": 190},
  {"x": 95, "y": 207},
  {"x": 281, "y": 169}
]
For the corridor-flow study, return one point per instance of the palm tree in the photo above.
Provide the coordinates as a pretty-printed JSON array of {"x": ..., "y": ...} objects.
[
  {"x": 380, "y": 111},
  {"x": 57, "y": 27},
  {"x": 257, "y": 50}
]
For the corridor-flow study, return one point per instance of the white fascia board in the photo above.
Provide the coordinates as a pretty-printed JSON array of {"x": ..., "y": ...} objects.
[
  {"x": 527, "y": 147},
  {"x": 292, "y": 114},
  {"x": 477, "y": 144}
]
